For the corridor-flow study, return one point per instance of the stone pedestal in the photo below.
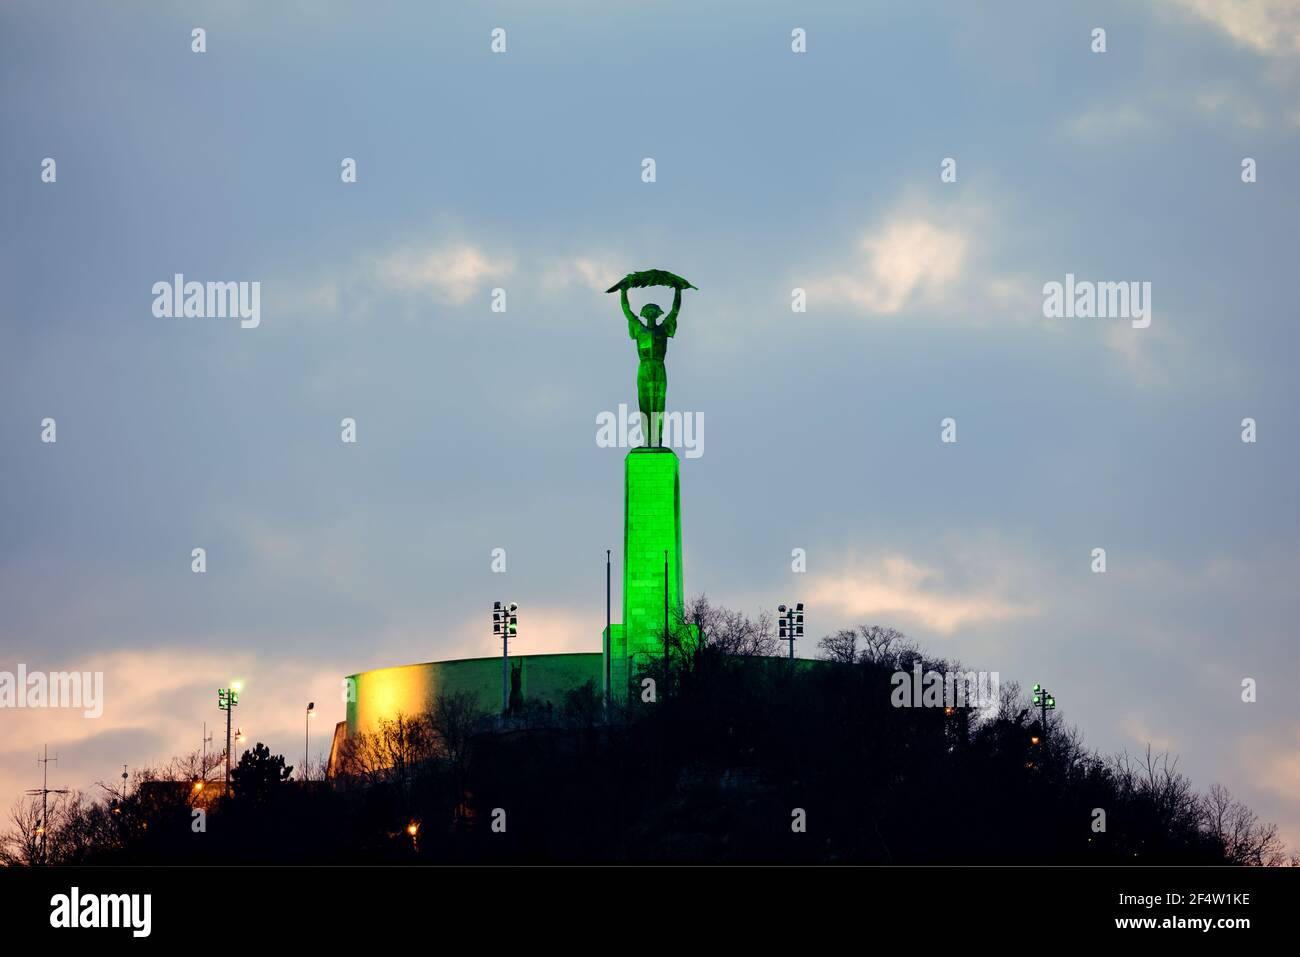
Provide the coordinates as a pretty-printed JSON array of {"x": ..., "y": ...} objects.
[{"x": 652, "y": 528}]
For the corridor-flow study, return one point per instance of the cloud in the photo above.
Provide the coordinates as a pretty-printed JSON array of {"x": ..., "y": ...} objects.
[
  {"x": 451, "y": 272},
  {"x": 1132, "y": 347},
  {"x": 155, "y": 703},
  {"x": 1266, "y": 26},
  {"x": 1274, "y": 761},
  {"x": 1150, "y": 114},
  {"x": 1225, "y": 103},
  {"x": 596, "y": 273},
  {"x": 542, "y": 631},
  {"x": 895, "y": 587},
  {"x": 1135, "y": 727},
  {"x": 907, "y": 260},
  {"x": 1104, "y": 123}
]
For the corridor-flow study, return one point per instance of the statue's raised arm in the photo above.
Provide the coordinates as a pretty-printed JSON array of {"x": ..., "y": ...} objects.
[
  {"x": 670, "y": 322},
  {"x": 633, "y": 323}
]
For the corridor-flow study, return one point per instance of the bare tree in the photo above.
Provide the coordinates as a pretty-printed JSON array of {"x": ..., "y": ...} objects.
[
  {"x": 1010, "y": 706},
  {"x": 401, "y": 749},
  {"x": 880, "y": 645},
  {"x": 86, "y": 827},
  {"x": 883, "y": 645},
  {"x": 454, "y": 721},
  {"x": 1155, "y": 779},
  {"x": 21, "y": 845},
  {"x": 705, "y": 628},
  {"x": 841, "y": 647},
  {"x": 392, "y": 753},
  {"x": 195, "y": 766},
  {"x": 1238, "y": 830}
]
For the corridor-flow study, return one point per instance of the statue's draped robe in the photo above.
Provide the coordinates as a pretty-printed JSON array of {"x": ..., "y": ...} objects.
[{"x": 651, "y": 376}]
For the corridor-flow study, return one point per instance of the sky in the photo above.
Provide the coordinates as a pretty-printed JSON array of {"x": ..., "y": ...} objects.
[{"x": 476, "y": 429}]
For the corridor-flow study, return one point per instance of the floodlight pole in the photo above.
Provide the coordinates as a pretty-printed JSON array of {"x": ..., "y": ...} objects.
[
  {"x": 503, "y": 619},
  {"x": 790, "y": 624},
  {"x": 1046, "y": 702},
  {"x": 227, "y": 701}
]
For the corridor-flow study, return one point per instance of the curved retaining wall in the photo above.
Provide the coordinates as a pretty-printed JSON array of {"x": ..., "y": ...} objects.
[{"x": 411, "y": 689}]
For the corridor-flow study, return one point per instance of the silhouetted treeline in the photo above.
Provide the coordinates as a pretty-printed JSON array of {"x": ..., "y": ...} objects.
[{"x": 731, "y": 753}]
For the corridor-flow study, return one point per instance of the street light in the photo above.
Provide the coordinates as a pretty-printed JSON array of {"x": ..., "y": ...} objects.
[
  {"x": 306, "y": 745},
  {"x": 207, "y": 739},
  {"x": 790, "y": 624},
  {"x": 505, "y": 625}
]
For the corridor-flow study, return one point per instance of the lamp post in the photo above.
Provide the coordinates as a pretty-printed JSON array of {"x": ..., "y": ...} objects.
[
  {"x": 790, "y": 624},
  {"x": 505, "y": 624},
  {"x": 666, "y": 618},
  {"x": 306, "y": 744},
  {"x": 227, "y": 701},
  {"x": 609, "y": 637},
  {"x": 413, "y": 829}
]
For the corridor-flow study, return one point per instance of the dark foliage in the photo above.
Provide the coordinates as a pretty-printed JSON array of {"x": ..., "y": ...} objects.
[{"x": 737, "y": 745}]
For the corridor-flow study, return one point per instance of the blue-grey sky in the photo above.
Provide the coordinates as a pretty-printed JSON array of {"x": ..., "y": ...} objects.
[{"x": 775, "y": 170}]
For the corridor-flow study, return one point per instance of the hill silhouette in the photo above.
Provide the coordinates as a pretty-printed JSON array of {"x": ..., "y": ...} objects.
[{"x": 729, "y": 754}]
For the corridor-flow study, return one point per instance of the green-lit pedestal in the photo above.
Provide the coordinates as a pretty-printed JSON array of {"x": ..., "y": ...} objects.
[{"x": 652, "y": 528}]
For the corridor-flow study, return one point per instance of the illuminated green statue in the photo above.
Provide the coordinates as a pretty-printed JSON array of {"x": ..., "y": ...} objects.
[{"x": 651, "y": 345}]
